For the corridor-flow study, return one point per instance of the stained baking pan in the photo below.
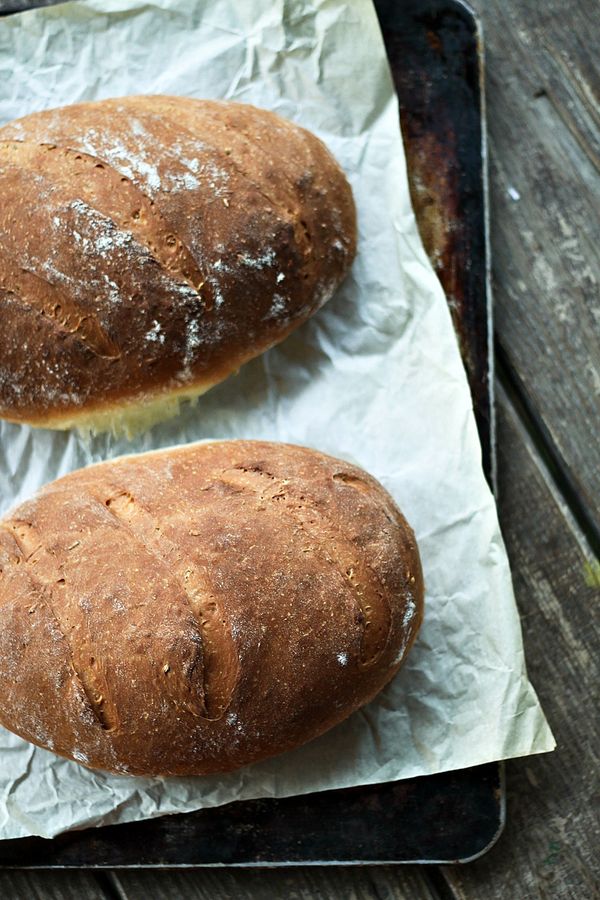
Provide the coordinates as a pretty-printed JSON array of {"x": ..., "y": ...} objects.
[{"x": 435, "y": 53}]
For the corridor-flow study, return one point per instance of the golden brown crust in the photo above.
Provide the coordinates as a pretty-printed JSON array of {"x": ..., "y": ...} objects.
[
  {"x": 193, "y": 610},
  {"x": 151, "y": 245}
]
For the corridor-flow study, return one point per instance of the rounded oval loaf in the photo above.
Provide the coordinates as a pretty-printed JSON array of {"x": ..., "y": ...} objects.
[
  {"x": 193, "y": 610},
  {"x": 151, "y": 245}
]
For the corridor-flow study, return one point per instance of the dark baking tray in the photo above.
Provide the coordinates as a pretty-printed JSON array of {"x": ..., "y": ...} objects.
[{"x": 435, "y": 53}]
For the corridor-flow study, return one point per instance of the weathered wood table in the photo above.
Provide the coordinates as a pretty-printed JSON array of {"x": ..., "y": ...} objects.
[{"x": 544, "y": 134}]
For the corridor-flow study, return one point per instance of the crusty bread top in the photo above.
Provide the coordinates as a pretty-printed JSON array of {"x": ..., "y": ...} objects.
[
  {"x": 152, "y": 244},
  {"x": 192, "y": 610}
]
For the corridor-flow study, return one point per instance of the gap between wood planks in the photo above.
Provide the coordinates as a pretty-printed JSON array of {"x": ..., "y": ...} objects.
[{"x": 556, "y": 468}]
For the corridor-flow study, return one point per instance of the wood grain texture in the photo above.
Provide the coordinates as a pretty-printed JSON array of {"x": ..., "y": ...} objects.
[
  {"x": 544, "y": 131},
  {"x": 548, "y": 849},
  {"x": 386, "y": 883},
  {"x": 50, "y": 886}
]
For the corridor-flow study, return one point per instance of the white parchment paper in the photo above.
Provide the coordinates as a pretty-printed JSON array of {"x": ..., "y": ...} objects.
[{"x": 375, "y": 377}]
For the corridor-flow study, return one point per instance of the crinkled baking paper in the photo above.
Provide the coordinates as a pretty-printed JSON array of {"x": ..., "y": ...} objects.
[{"x": 375, "y": 377}]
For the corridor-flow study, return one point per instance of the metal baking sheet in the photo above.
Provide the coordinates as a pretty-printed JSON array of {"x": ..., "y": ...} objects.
[{"x": 435, "y": 53}]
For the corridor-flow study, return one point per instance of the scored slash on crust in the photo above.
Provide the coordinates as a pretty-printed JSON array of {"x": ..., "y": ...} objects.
[
  {"x": 32, "y": 551},
  {"x": 218, "y": 670}
]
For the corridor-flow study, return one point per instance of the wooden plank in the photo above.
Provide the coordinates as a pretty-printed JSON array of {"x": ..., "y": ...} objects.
[
  {"x": 544, "y": 130},
  {"x": 549, "y": 848},
  {"x": 50, "y": 886},
  {"x": 385, "y": 883}
]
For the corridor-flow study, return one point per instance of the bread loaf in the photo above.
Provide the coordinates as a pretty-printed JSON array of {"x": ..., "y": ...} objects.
[
  {"x": 151, "y": 245},
  {"x": 192, "y": 610}
]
